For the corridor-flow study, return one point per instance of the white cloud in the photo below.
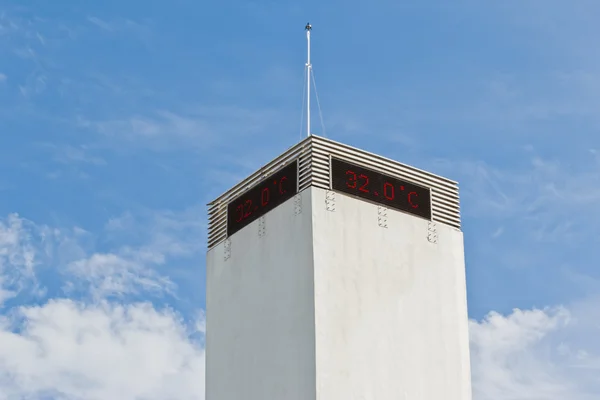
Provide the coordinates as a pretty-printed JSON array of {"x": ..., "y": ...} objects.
[
  {"x": 503, "y": 353},
  {"x": 104, "y": 351},
  {"x": 98, "y": 349},
  {"x": 548, "y": 354},
  {"x": 94, "y": 348},
  {"x": 2, "y": 77}
]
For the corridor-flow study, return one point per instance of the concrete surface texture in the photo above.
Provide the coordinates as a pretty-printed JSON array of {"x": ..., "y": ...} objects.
[{"x": 344, "y": 300}]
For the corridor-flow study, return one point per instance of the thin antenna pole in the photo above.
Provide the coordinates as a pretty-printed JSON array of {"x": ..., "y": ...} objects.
[{"x": 308, "y": 75}]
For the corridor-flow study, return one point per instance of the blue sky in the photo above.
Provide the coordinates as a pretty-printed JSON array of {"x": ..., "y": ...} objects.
[{"x": 119, "y": 121}]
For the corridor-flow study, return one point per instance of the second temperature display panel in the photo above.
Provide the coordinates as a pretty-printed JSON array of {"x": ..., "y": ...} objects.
[
  {"x": 262, "y": 198},
  {"x": 379, "y": 188}
]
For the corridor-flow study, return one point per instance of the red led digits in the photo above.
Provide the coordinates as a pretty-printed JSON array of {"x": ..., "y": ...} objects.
[
  {"x": 352, "y": 177},
  {"x": 240, "y": 215},
  {"x": 363, "y": 188},
  {"x": 410, "y": 200},
  {"x": 377, "y": 187},
  {"x": 243, "y": 210},
  {"x": 259, "y": 199},
  {"x": 248, "y": 208},
  {"x": 388, "y": 191},
  {"x": 264, "y": 197},
  {"x": 281, "y": 189}
]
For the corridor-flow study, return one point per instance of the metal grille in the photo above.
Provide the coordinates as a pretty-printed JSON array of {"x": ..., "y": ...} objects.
[{"x": 313, "y": 155}]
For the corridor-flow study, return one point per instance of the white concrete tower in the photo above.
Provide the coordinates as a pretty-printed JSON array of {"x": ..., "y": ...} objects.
[{"x": 336, "y": 274}]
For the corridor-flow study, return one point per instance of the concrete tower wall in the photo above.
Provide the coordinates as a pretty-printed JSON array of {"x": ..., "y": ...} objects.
[
  {"x": 390, "y": 305},
  {"x": 260, "y": 338},
  {"x": 355, "y": 303}
]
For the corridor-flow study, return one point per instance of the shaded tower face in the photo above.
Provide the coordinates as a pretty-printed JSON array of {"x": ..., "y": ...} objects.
[{"x": 333, "y": 273}]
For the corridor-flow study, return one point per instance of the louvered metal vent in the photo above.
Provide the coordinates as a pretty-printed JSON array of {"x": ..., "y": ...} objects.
[{"x": 313, "y": 155}]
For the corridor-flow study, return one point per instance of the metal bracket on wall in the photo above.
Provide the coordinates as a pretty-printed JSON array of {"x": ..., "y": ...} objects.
[
  {"x": 432, "y": 235},
  {"x": 330, "y": 200},
  {"x": 262, "y": 228},
  {"x": 382, "y": 216},
  {"x": 227, "y": 249},
  {"x": 297, "y": 204}
]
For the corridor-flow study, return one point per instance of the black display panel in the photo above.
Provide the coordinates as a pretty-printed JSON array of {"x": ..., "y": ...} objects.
[
  {"x": 381, "y": 189},
  {"x": 262, "y": 198}
]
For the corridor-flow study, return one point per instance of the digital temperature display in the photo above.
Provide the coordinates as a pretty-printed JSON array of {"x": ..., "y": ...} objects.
[
  {"x": 262, "y": 198},
  {"x": 379, "y": 188}
]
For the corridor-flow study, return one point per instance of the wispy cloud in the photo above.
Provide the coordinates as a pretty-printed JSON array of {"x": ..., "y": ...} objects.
[
  {"x": 70, "y": 154},
  {"x": 112, "y": 275},
  {"x": 159, "y": 132},
  {"x": 529, "y": 228},
  {"x": 17, "y": 257},
  {"x": 197, "y": 128},
  {"x": 159, "y": 234},
  {"x": 141, "y": 31},
  {"x": 101, "y": 24},
  {"x": 139, "y": 247},
  {"x": 545, "y": 193}
]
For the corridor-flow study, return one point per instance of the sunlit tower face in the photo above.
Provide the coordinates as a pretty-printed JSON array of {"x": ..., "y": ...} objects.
[{"x": 336, "y": 273}]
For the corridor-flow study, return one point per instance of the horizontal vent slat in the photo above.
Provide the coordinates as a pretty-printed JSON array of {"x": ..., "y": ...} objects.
[
  {"x": 217, "y": 228},
  {"x": 448, "y": 221},
  {"x": 446, "y": 215},
  {"x": 219, "y": 218},
  {"x": 442, "y": 208},
  {"x": 305, "y": 173},
  {"x": 322, "y": 181},
  {"x": 303, "y": 182},
  {"x": 447, "y": 202}
]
